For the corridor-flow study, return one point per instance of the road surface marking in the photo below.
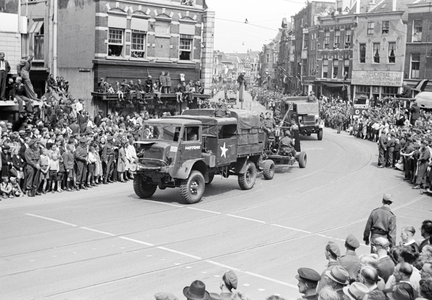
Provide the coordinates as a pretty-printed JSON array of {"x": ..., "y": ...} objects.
[
  {"x": 245, "y": 218},
  {"x": 290, "y": 228},
  {"x": 98, "y": 231},
  {"x": 205, "y": 210},
  {"x": 136, "y": 241},
  {"x": 50, "y": 219},
  {"x": 165, "y": 203}
]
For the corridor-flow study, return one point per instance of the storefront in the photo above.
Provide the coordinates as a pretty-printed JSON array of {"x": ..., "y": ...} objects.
[{"x": 376, "y": 84}]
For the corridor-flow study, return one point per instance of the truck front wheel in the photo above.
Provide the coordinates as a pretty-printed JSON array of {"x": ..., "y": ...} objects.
[
  {"x": 143, "y": 189},
  {"x": 302, "y": 159},
  {"x": 192, "y": 189},
  {"x": 320, "y": 134},
  {"x": 268, "y": 169},
  {"x": 247, "y": 180}
]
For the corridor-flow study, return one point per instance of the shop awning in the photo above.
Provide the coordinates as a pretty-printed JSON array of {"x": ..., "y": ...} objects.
[
  {"x": 36, "y": 27},
  {"x": 334, "y": 84}
]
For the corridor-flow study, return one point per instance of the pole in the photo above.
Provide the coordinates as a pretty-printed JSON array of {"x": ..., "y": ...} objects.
[{"x": 55, "y": 12}]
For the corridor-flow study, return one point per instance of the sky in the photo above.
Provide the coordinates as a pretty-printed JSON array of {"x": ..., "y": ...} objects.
[{"x": 264, "y": 18}]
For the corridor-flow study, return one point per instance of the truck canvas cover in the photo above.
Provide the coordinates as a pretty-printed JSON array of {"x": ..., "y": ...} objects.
[
  {"x": 246, "y": 119},
  {"x": 308, "y": 108}
]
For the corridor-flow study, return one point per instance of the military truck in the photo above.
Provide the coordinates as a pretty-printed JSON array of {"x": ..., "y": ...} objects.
[
  {"x": 305, "y": 114},
  {"x": 187, "y": 151}
]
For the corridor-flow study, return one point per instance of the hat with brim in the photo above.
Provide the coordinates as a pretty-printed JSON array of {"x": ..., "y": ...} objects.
[
  {"x": 196, "y": 291},
  {"x": 338, "y": 275},
  {"x": 356, "y": 291}
]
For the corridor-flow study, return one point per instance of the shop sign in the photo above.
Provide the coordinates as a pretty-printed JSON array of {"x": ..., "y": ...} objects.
[{"x": 379, "y": 78}]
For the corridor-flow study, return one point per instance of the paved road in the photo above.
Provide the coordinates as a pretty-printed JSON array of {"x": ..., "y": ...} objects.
[{"x": 105, "y": 243}]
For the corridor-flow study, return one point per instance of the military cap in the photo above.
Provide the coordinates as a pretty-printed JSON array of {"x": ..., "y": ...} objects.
[
  {"x": 307, "y": 274},
  {"x": 352, "y": 241},
  {"x": 230, "y": 278},
  {"x": 388, "y": 197},
  {"x": 333, "y": 248}
]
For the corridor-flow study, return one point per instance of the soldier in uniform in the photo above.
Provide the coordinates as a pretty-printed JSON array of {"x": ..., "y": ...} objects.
[
  {"x": 381, "y": 222},
  {"x": 350, "y": 260},
  {"x": 108, "y": 159},
  {"x": 332, "y": 254},
  {"x": 307, "y": 282},
  {"x": 31, "y": 171},
  {"x": 80, "y": 156},
  {"x": 287, "y": 144},
  {"x": 221, "y": 109}
]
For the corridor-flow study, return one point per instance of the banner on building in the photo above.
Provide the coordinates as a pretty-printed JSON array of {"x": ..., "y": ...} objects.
[{"x": 377, "y": 78}]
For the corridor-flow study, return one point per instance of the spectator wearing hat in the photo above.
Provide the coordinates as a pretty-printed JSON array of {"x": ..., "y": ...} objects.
[
  {"x": 401, "y": 275},
  {"x": 332, "y": 254},
  {"x": 4, "y": 70},
  {"x": 31, "y": 171},
  {"x": 368, "y": 276},
  {"x": 196, "y": 291},
  {"x": 407, "y": 237},
  {"x": 356, "y": 291},
  {"x": 307, "y": 283},
  {"x": 426, "y": 233},
  {"x": 227, "y": 284},
  {"x": 422, "y": 164},
  {"x": 350, "y": 261},
  {"x": 402, "y": 291},
  {"x": 80, "y": 156},
  {"x": 337, "y": 277},
  {"x": 426, "y": 289},
  {"x": 381, "y": 223}
]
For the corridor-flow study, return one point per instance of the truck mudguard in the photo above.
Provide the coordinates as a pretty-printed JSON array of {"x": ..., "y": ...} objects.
[
  {"x": 240, "y": 167},
  {"x": 185, "y": 169}
]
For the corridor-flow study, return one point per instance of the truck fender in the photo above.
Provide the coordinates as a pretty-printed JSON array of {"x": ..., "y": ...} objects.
[
  {"x": 321, "y": 124},
  {"x": 240, "y": 167},
  {"x": 184, "y": 170}
]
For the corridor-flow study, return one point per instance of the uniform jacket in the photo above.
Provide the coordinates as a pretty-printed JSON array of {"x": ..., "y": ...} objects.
[
  {"x": 31, "y": 157},
  {"x": 351, "y": 263},
  {"x": 384, "y": 220},
  {"x": 80, "y": 154},
  {"x": 382, "y": 142}
]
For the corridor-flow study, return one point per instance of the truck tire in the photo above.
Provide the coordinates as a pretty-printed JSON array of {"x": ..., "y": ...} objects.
[
  {"x": 302, "y": 160},
  {"x": 192, "y": 189},
  {"x": 320, "y": 134},
  {"x": 142, "y": 189},
  {"x": 211, "y": 177},
  {"x": 268, "y": 169},
  {"x": 246, "y": 181}
]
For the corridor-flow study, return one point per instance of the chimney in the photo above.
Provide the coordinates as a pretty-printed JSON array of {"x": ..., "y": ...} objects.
[{"x": 394, "y": 5}]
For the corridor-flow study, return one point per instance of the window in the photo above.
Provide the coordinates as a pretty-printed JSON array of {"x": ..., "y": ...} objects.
[
  {"x": 325, "y": 68},
  {"x": 370, "y": 28},
  {"x": 335, "y": 68},
  {"x": 115, "y": 42},
  {"x": 327, "y": 40},
  {"x": 275, "y": 58},
  {"x": 348, "y": 39},
  {"x": 337, "y": 39},
  {"x": 268, "y": 57},
  {"x": 415, "y": 66},
  {"x": 185, "y": 48},
  {"x": 389, "y": 91},
  {"x": 363, "y": 89},
  {"x": 391, "y": 52},
  {"x": 39, "y": 42},
  {"x": 305, "y": 41},
  {"x": 376, "y": 55},
  {"x": 162, "y": 27},
  {"x": 187, "y": 2},
  {"x": 346, "y": 68},
  {"x": 362, "y": 53},
  {"x": 138, "y": 44},
  {"x": 417, "y": 31},
  {"x": 385, "y": 27}
]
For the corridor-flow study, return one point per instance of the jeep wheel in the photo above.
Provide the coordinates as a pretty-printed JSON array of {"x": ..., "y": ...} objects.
[
  {"x": 143, "y": 189},
  {"x": 246, "y": 181},
  {"x": 268, "y": 169},
  {"x": 211, "y": 177},
  {"x": 302, "y": 159},
  {"x": 192, "y": 189},
  {"x": 320, "y": 134}
]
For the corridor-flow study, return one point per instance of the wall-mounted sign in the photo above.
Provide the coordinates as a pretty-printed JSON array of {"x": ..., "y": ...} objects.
[{"x": 380, "y": 78}]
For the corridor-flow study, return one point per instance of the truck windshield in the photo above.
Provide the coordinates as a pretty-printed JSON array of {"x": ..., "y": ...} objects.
[{"x": 167, "y": 132}]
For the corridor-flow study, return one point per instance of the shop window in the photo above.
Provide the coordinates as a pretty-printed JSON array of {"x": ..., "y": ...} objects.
[
  {"x": 363, "y": 90},
  {"x": 385, "y": 27},
  {"x": 347, "y": 39},
  {"x": 370, "y": 28},
  {"x": 415, "y": 66},
  {"x": 327, "y": 40},
  {"x": 417, "y": 30},
  {"x": 335, "y": 68},
  {"x": 337, "y": 39},
  {"x": 162, "y": 27},
  {"x": 391, "y": 52},
  {"x": 115, "y": 42},
  {"x": 185, "y": 49},
  {"x": 138, "y": 46},
  {"x": 362, "y": 53},
  {"x": 389, "y": 91},
  {"x": 376, "y": 54},
  {"x": 325, "y": 68}
]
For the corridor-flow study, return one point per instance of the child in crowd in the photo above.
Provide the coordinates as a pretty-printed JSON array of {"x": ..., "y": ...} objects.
[
  {"x": 54, "y": 155},
  {"x": 44, "y": 163},
  {"x": 68, "y": 160},
  {"x": 6, "y": 188},
  {"x": 91, "y": 159},
  {"x": 98, "y": 165},
  {"x": 18, "y": 166},
  {"x": 16, "y": 189}
]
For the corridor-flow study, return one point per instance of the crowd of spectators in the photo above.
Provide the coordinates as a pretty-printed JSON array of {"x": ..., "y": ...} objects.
[{"x": 389, "y": 272}]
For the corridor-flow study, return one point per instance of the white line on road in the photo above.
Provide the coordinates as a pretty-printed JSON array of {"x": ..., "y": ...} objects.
[
  {"x": 50, "y": 219},
  {"x": 245, "y": 218},
  {"x": 136, "y": 241},
  {"x": 205, "y": 210},
  {"x": 98, "y": 231}
]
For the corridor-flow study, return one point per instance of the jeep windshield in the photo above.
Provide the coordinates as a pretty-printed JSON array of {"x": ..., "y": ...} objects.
[{"x": 166, "y": 132}]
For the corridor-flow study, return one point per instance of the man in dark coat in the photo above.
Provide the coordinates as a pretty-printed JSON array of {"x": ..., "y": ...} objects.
[
  {"x": 80, "y": 156},
  {"x": 32, "y": 169},
  {"x": 415, "y": 113},
  {"x": 382, "y": 149},
  {"x": 4, "y": 70},
  {"x": 381, "y": 223}
]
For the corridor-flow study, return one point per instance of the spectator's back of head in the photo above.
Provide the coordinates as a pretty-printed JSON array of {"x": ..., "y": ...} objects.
[
  {"x": 403, "y": 291},
  {"x": 427, "y": 227},
  {"x": 408, "y": 255},
  {"x": 369, "y": 274}
]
